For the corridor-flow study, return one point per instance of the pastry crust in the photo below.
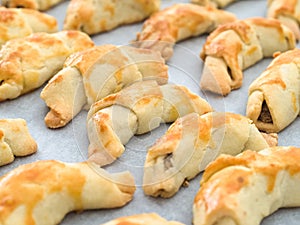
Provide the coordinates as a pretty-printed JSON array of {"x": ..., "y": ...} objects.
[
  {"x": 191, "y": 143},
  {"x": 215, "y": 3},
  {"x": 16, "y": 23},
  {"x": 42, "y": 5},
  {"x": 15, "y": 140},
  {"x": 142, "y": 219},
  {"x": 20, "y": 74},
  {"x": 236, "y": 46},
  {"x": 137, "y": 109},
  {"x": 246, "y": 188},
  {"x": 93, "y": 17},
  {"x": 43, "y": 192},
  {"x": 178, "y": 22},
  {"x": 94, "y": 73},
  {"x": 273, "y": 101}
]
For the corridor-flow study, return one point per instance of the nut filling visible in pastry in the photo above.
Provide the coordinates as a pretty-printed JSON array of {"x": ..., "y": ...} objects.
[{"x": 265, "y": 115}]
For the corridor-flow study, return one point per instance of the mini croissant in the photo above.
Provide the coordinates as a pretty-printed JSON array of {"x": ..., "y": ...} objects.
[
  {"x": 94, "y": 73},
  {"x": 136, "y": 109},
  {"x": 27, "y": 63},
  {"x": 16, "y": 23},
  {"x": 15, "y": 140},
  {"x": 273, "y": 101},
  {"x": 246, "y": 188},
  {"x": 180, "y": 21},
  {"x": 191, "y": 143},
  {"x": 42, "y": 5},
  {"x": 215, "y": 3},
  {"x": 43, "y": 192},
  {"x": 102, "y": 15},
  {"x": 233, "y": 47}
]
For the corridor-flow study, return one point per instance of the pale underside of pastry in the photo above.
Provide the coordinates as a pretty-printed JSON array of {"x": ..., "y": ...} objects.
[
  {"x": 92, "y": 74},
  {"x": 19, "y": 73},
  {"x": 142, "y": 219},
  {"x": 178, "y": 22},
  {"x": 215, "y": 3},
  {"x": 16, "y": 23},
  {"x": 191, "y": 143},
  {"x": 246, "y": 188},
  {"x": 43, "y": 192},
  {"x": 137, "y": 109},
  {"x": 15, "y": 140},
  {"x": 236, "y": 46},
  {"x": 273, "y": 98},
  {"x": 93, "y": 17},
  {"x": 287, "y": 12},
  {"x": 31, "y": 4}
]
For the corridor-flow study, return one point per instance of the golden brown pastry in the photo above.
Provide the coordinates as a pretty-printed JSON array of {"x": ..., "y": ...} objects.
[
  {"x": 94, "y": 73},
  {"x": 191, "y": 143},
  {"x": 137, "y": 109},
  {"x": 31, "y": 4},
  {"x": 95, "y": 16},
  {"x": 215, "y": 3},
  {"x": 142, "y": 219},
  {"x": 178, "y": 22},
  {"x": 43, "y": 192},
  {"x": 246, "y": 188},
  {"x": 15, "y": 140},
  {"x": 273, "y": 101},
  {"x": 19, "y": 73},
  {"x": 16, "y": 23},
  {"x": 236, "y": 46}
]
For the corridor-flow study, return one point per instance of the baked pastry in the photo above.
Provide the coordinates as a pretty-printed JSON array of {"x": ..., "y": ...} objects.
[
  {"x": 246, "y": 188},
  {"x": 43, "y": 192},
  {"x": 178, "y": 22},
  {"x": 191, "y": 143},
  {"x": 287, "y": 11},
  {"x": 16, "y": 23},
  {"x": 137, "y": 109},
  {"x": 15, "y": 140},
  {"x": 215, "y": 3},
  {"x": 142, "y": 219},
  {"x": 236, "y": 46},
  {"x": 94, "y": 73},
  {"x": 273, "y": 101},
  {"x": 20, "y": 74},
  {"x": 95, "y": 16},
  {"x": 42, "y": 5}
]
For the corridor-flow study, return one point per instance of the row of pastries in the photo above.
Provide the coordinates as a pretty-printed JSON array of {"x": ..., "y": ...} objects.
[{"x": 237, "y": 153}]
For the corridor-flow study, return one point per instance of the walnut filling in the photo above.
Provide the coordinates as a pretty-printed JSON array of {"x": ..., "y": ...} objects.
[
  {"x": 265, "y": 115},
  {"x": 168, "y": 161},
  {"x": 1, "y": 82}
]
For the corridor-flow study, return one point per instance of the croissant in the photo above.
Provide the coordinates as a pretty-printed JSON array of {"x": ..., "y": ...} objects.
[
  {"x": 287, "y": 12},
  {"x": 94, "y": 73},
  {"x": 246, "y": 188},
  {"x": 42, "y": 5},
  {"x": 215, "y": 3},
  {"x": 43, "y": 192},
  {"x": 191, "y": 143},
  {"x": 273, "y": 98},
  {"x": 178, "y": 22},
  {"x": 15, "y": 140},
  {"x": 142, "y": 219},
  {"x": 102, "y": 15},
  {"x": 16, "y": 23},
  {"x": 236, "y": 46},
  {"x": 19, "y": 73},
  {"x": 137, "y": 109}
]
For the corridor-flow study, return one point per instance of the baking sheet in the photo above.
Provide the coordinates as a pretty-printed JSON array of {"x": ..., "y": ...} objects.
[{"x": 70, "y": 143}]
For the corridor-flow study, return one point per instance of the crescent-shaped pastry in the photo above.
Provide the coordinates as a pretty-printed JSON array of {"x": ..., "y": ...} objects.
[
  {"x": 142, "y": 219},
  {"x": 95, "y": 16},
  {"x": 273, "y": 101},
  {"x": 246, "y": 188},
  {"x": 137, "y": 109},
  {"x": 236, "y": 46},
  {"x": 43, "y": 192},
  {"x": 42, "y": 5},
  {"x": 178, "y": 22},
  {"x": 215, "y": 3},
  {"x": 19, "y": 73},
  {"x": 15, "y": 140},
  {"x": 191, "y": 143},
  {"x": 16, "y": 23},
  {"x": 94, "y": 73}
]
